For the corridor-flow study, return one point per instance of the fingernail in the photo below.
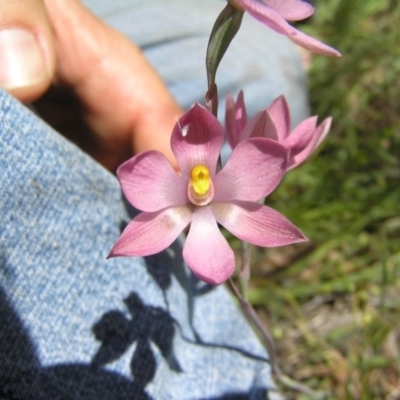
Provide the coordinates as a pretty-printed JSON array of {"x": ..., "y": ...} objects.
[{"x": 22, "y": 62}]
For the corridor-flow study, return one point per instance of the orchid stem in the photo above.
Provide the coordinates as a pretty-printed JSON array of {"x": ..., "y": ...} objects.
[
  {"x": 211, "y": 100},
  {"x": 252, "y": 316},
  {"x": 244, "y": 274}
]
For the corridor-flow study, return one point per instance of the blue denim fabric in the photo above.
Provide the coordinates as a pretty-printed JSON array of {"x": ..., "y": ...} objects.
[{"x": 74, "y": 325}]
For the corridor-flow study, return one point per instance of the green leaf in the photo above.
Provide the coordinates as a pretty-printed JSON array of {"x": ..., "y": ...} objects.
[{"x": 225, "y": 28}]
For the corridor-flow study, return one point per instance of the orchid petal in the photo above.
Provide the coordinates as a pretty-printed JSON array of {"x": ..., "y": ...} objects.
[
  {"x": 150, "y": 233},
  {"x": 206, "y": 251},
  {"x": 256, "y": 224},
  {"x": 280, "y": 114},
  {"x": 150, "y": 183},
  {"x": 275, "y": 21},
  {"x": 197, "y": 139},
  {"x": 254, "y": 169},
  {"x": 293, "y": 10},
  {"x": 317, "y": 136},
  {"x": 323, "y": 130},
  {"x": 235, "y": 119},
  {"x": 300, "y": 137},
  {"x": 312, "y": 44},
  {"x": 261, "y": 125}
]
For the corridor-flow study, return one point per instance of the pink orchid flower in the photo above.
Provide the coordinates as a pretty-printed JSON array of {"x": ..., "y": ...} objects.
[
  {"x": 274, "y": 123},
  {"x": 274, "y": 14},
  {"x": 202, "y": 197}
]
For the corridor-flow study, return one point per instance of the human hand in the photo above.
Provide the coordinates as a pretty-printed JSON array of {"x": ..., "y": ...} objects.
[{"x": 104, "y": 95}]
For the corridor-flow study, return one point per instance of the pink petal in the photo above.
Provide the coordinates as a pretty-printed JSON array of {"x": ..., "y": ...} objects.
[
  {"x": 280, "y": 114},
  {"x": 312, "y": 44},
  {"x": 261, "y": 125},
  {"x": 317, "y": 136},
  {"x": 293, "y": 10},
  {"x": 235, "y": 119},
  {"x": 266, "y": 15},
  {"x": 300, "y": 137},
  {"x": 256, "y": 224},
  {"x": 206, "y": 251},
  {"x": 150, "y": 233},
  {"x": 323, "y": 130},
  {"x": 275, "y": 21},
  {"x": 150, "y": 183},
  {"x": 197, "y": 139},
  {"x": 254, "y": 169}
]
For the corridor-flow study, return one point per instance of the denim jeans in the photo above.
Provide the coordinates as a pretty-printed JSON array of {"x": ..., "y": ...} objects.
[{"x": 74, "y": 325}]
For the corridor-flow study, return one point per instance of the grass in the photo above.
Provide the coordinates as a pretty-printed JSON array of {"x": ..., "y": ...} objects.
[{"x": 333, "y": 305}]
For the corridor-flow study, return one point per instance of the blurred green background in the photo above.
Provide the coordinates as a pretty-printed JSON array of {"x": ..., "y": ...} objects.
[{"x": 333, "y": 305}]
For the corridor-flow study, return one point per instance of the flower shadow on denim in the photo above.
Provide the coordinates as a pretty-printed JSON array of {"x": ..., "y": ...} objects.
[
  {"x": 147, "y": 325},
  {"x": 23, "y": 378}
]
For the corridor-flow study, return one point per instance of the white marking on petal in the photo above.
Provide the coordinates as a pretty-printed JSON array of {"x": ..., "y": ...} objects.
[{"x": 184, "y": 129}]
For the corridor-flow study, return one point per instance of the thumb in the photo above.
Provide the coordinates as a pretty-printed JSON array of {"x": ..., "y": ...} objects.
[
  {"x": 27, "y": 57},
  {"x": 125, "y": 103}
]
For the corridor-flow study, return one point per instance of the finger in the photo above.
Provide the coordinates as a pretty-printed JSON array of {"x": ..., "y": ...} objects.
[
  {"x": 27, "y": 57},
  {"x": 125, "y": 101}
]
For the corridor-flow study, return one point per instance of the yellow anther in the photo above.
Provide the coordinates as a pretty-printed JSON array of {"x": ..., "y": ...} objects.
[
  {"x": 200, "y": 186},
  {"x": 200, "y": 179}
]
